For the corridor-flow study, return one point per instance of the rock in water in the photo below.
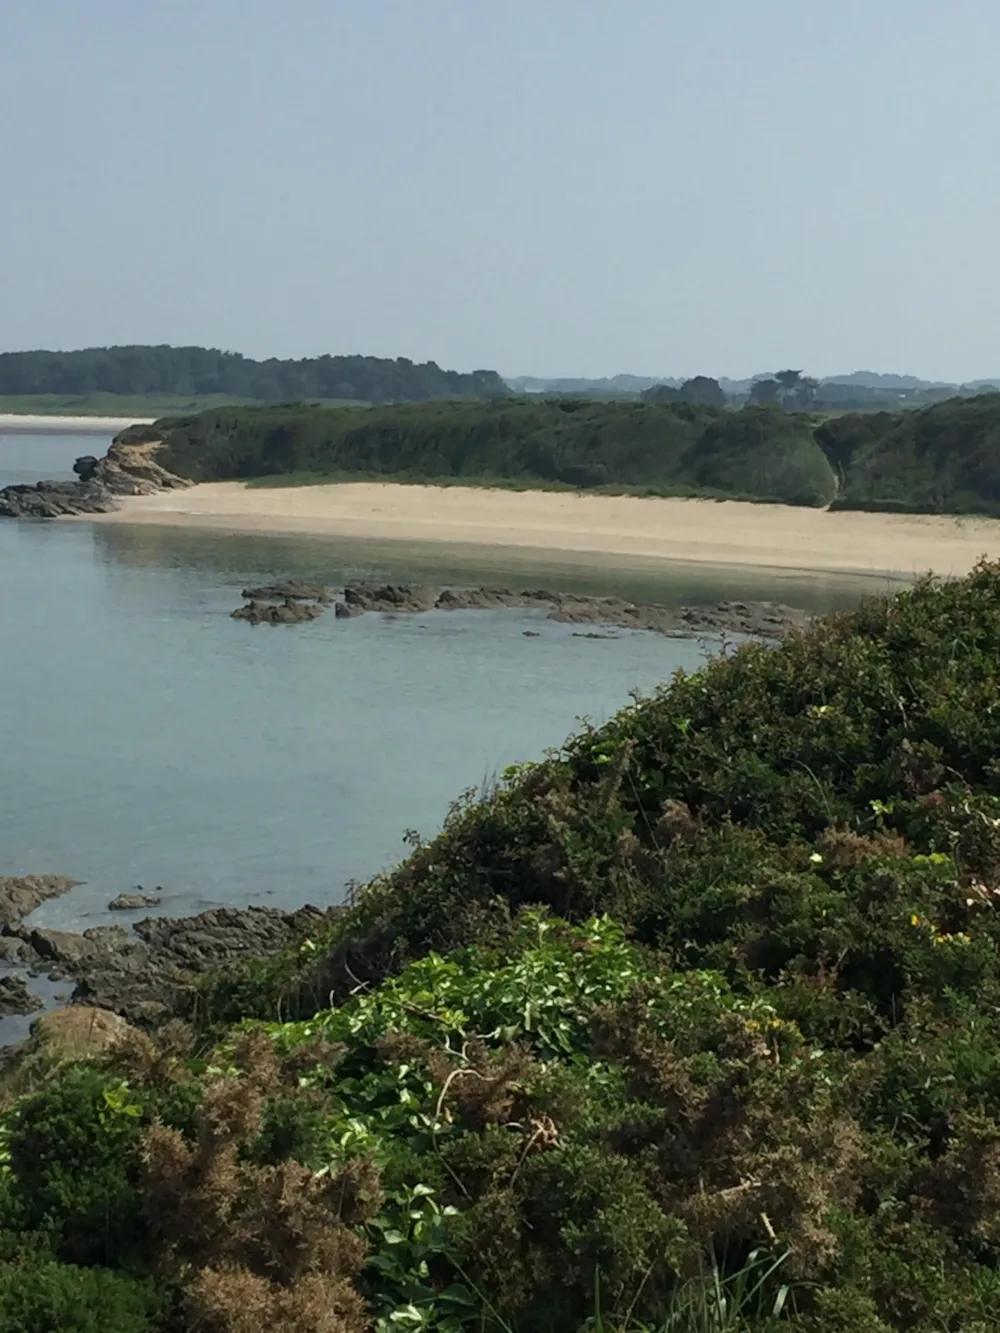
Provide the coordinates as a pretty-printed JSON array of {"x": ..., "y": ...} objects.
[
  {"x": 128, "y": 468},
  {"x": 289, "y": 612},
  {"x": 133, "y": 902},
  {"x": 20, "y": 896},
  {"x": 15, "y": 998},
  {"x": 389, "y": 597},
  {"x": 289, "y": 590},
  {"x": 148, "y": 978}
]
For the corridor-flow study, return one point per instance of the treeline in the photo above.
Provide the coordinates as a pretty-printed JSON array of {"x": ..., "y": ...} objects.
[
  {"x": 797, "y": 392},
  {"x": 198, "y": 370},
  {"x": 943, "y": 459}
]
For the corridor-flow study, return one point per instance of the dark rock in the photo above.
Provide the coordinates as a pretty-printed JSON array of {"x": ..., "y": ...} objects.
[
  {"x": 107, "y": 937},
  {"x": 14, "y": 950},
  {"x": 15, "y": 998},
  {"x": 760, "y": 619},
  {"x": 126, "y": 469},
  {"x": 390, "y": 597},
  {"x": 477, "y": 599},
  {"x": 20, "y": 896},
  {"x": 63, "y": 948},
  {"x": 148, "y": 977},
  {"x": 344, "y": 612},
  {"x": 86, "y": 467},
  {"x": 530, "y": 633},
  {"x": 279, "y": 592},
  {"x": 289, "y": 612},
  {"x": 133, "y": 902}
]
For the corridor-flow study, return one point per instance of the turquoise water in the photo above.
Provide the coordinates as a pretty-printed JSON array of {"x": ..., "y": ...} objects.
[{"x": 147, "y": 738}]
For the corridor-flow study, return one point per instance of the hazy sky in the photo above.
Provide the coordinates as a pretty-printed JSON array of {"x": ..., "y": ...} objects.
[{"x": 536, "y": 186}]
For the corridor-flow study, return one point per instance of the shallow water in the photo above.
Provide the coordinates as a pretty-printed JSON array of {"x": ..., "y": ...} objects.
[{"x": 147, "y": 738}]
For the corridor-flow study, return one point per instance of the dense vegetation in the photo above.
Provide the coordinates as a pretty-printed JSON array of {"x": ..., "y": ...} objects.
[
  {"x": 678, "y": 448},
  {"x": 693, "y": 1025},
  {"x": 197, "y": 371},
  {"x": 944, "y": 458}
]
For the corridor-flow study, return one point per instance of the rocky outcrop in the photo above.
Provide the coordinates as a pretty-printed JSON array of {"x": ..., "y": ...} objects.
[
  {"x": 758, "y": 619},
  {"x": 292, "y": 603},
  {"x": 288, "y": 612},
  {"x": 15, "y": 998},
  {"x": 283, "y": 603},
  {"x": 134, "y": 902},
  {"x": 20, "y": 896},
  {"x": 126, "y": 469},
  {"x": 148, "y": 977},
  {"x": 388, "y": 597},
  {"x": 289, "y": 590}
]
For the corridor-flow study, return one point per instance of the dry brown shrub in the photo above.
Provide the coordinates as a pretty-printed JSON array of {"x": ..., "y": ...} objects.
[
  {"x": 254, "y": 1247},
  {"x": 676, "y": 822},
  {"x": 236, "y": 1301},
  {"x": 843, "y": 849}
]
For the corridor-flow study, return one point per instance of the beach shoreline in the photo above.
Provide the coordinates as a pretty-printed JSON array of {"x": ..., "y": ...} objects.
[
  {"x": 40, "y": 423},
  {"x": 709, "y": 532}
]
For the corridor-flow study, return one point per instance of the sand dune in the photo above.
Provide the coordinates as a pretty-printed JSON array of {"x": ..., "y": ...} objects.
[{"x": 727, "y": 532}]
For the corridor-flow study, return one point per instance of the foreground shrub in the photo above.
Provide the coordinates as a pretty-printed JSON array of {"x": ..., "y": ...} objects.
[{"x": 58, "y": 1298}]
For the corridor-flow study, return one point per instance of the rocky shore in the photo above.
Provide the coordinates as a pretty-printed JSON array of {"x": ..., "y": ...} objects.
[
  {"x": 292, "y": 603},
  {"x": 145, "y": 977},
  {"x": 126, "y": 469}
]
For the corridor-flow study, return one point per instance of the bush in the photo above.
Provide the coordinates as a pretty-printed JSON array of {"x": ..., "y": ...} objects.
[
  {"x": 58, "y": 1298},
  {"x": 72, "y": 1166}
]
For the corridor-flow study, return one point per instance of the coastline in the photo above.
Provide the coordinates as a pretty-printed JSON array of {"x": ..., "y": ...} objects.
[
  {"x": 703, "y": 532},
  {"x": 38, "y": 423}
]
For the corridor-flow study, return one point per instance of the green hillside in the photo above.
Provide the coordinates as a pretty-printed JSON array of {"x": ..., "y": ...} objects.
[
  {"x": 941, "y": 459},
  {"x": 668, "y": 448},
  {"x": 944, "y": 459}
]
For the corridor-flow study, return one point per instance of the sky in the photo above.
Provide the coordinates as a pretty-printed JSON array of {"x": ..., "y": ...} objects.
[{"x": 546, "y": 187}]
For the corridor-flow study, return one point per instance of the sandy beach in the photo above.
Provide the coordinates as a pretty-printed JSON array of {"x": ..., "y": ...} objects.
[
  {"x": 700, "y": 531},
  {"x": 30, "y": 423}
]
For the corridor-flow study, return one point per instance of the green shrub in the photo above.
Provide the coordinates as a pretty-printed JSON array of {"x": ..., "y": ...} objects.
[
  {"x": 71, "y": 1153},
  {"x": 58, "y": 1298}
]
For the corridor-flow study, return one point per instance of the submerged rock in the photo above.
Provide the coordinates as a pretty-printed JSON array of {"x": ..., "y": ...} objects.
[{"x": 289, "y": 612}]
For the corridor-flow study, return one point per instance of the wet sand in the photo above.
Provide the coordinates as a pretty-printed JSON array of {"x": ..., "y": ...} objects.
[{"x": 696, "y": 531}]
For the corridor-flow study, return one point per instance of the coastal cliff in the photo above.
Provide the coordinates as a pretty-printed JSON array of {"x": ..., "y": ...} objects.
[{"x": 129, "y": 467}]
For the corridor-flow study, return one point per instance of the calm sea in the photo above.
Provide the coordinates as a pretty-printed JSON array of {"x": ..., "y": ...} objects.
[{"x": 148, "y": 739}]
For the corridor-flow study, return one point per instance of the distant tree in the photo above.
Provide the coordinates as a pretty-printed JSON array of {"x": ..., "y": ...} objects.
[
  {"x": 702, "y": 390},
  {"x": 199, "y": 370},
  {"x": 765, "y": 392},
  {"x": 789, "y": 388},
  {"x": 661, "y": 393},
  {"x": 797, "y": 391}
]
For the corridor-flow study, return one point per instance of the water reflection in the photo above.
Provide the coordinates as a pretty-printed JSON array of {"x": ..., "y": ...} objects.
[{"x": 235, "y": 556}]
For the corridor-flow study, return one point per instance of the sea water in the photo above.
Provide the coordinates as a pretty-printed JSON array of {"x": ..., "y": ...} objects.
[{"x": 146, "y": 738}]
